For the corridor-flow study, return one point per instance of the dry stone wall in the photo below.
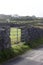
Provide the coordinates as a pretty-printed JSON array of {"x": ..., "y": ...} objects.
[
  {"x": 34, "y": 33},
  {"x": 27, "y": 34},
  {"x": 24, "y": 34},
  {"x": 4, "y": 37},
  {"x": 31, "y": 33}
]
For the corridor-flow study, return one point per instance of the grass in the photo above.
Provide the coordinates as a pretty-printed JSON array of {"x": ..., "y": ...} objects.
[
  {"x": 19, "y": 49},
  {"x": 13, "y": 52},
  {"x": 13, "y": 35},
  {"x": 36, "y": 43}
]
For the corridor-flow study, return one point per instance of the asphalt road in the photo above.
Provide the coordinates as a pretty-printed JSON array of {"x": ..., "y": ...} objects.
[{"x": 32, "y": 57}]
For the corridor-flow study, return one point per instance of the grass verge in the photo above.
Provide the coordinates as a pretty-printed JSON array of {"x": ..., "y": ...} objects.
[
  {"x": 13, "y": 52},
  {"x": 36, "y": 43},
  {"x": 17, "y": 50}
]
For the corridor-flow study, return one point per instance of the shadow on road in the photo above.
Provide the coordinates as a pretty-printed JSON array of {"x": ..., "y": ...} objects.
[{"x": 14, "y": 61}]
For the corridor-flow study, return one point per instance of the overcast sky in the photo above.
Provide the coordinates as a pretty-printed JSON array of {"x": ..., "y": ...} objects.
[{"x": 22, "y": 7}]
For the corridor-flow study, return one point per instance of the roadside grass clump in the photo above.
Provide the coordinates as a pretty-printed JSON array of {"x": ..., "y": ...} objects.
[
  {"x": 13, "y": 52},
  {"x": 36, "y": 43}
]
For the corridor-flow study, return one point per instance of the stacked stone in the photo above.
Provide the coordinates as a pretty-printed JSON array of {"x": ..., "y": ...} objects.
[
  {"x": 5, "y": 39},
  {"x": 24, "y": 34},
  {"x": 35, "y": 33}
]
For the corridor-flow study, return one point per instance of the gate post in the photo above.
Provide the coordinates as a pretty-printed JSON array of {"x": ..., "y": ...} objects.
[
  {"x": 5, "y": 35},
  {"x": 24, "y": 34}
]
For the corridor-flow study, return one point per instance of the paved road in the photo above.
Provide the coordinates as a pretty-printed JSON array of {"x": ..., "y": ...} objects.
[{"x": 32, "y": 57}]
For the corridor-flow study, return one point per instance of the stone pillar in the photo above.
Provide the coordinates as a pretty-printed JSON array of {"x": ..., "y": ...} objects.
[
  {"x": 24, "y": 34},
  {"x": 5, "y": 37}
]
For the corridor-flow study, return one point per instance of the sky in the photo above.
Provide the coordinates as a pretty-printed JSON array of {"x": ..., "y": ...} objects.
[{"x": 22, "y": 7}]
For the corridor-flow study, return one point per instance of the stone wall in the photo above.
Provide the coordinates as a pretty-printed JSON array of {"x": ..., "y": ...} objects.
[
  {"x": 31, "y": 33},
  {"x": 34, "y": 33},
  {"x": 4, "y": 37},
  {"x": 24, "y": 34},
  {"x": 27, "y": 34}
]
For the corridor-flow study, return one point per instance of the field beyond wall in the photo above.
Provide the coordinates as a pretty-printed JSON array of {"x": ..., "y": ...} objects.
[{"x": 15, "y": 35}]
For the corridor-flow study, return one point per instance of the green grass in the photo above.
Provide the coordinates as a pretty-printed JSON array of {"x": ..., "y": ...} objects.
[
  {"x": 13, "y": 35},
  {"x": 19, "y": 49},
  {"x": 36, "y": 43},
  {"x": 13, "y": 52}
]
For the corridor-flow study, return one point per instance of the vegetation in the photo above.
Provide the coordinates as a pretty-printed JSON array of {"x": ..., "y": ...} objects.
[
  {"x": 15, "y": 35},
  {"x": 19, "y": 49},
  {"x": 36, "y": 43},
  {"x": 13, "y": 52}
]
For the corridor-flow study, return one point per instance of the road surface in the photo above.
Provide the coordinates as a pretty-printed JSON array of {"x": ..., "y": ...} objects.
[{"x": 32, "y": 57}]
